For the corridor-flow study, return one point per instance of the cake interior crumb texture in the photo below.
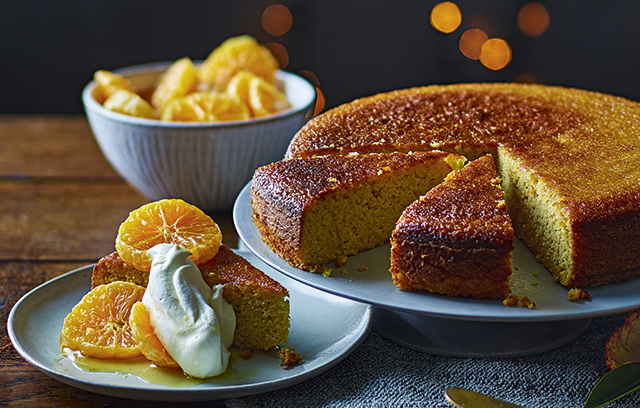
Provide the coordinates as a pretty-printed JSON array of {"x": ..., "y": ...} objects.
[{"x": 345, "y": 205}]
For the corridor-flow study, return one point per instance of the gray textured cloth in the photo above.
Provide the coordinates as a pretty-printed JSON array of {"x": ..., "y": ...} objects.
[{"x": 382, "y": 374}]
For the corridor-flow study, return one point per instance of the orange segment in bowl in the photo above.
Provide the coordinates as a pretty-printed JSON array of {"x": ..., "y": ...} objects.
[
  {"x": 146, "y": 338},
  {"x": 236, "y": 54},
  {"x": 238, "y": 86},
  {"x": 129, "y": 103},
  {"x": 109, "y": 82},
  {"x": 98, "y": 325},
  {"x": 205, "y": 107},
  {"x": 179, "y": 80},
  {"x": 172, "y": 221},
  {"x": 265, "y": 99}
]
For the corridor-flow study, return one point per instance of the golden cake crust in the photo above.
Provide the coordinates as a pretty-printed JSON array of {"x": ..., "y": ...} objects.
[
  {"x": 583, "y": 147},
  {"x": 458, "y": 238}
]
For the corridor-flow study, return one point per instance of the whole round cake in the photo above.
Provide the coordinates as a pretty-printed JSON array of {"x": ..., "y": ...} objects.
[{"x": 568, "y": 160}]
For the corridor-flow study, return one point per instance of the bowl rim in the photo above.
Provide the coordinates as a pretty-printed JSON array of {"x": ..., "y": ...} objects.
[{"x": 90, "y": 104}]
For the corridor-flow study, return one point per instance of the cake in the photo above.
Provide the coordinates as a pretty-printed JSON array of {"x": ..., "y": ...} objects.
[
  {"x": 568, "y": 160},
  {"x": 260, "y": 303},
  {"x": 316, "y": 210},
  {"x": 457, "y": 239}
]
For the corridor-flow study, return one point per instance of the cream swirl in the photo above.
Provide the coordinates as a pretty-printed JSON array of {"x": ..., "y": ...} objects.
[{"x": 193, "y": 322}]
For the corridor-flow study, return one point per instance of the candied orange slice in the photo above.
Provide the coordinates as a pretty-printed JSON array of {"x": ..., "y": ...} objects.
[
  {"x": 265, "y": 99},
  {"x": 624, "y": 344},
  {"x": 146, "y": 338},
  {"x": 108, "y": 82},
  {"x": 178, "y": 80},
  {"x": 98, "y": 325},
  {"x": 205, "y": 107},
  {"x": 171, "y": 221},
  {"x": 236, "y": 54},
  {"x": 129, "y": 103}
]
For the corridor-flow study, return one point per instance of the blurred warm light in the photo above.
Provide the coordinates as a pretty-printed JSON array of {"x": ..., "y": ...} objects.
[
  {"x": 471, "y": 42},
  {"x": 533, "y": 19},
  {"x": 281, "y": 54},
  {"x": 319, "y": 102},
  {"x": 276, "y": 19},
  {"x": 526, "y": 78},
  {"x": 313, "y": 79},
  {"x": 310, "y": 76},
  {"x": 495, "y": 54},
  {"x": 446, "y": 17}
]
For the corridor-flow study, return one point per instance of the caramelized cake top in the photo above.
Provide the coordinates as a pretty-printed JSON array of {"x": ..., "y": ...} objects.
[
  {"x": 227, "y": 267},
  {"x": 585, "y": 145},
  {"x": 466, "y": 211},
  {"x": 294, "y": 183}
]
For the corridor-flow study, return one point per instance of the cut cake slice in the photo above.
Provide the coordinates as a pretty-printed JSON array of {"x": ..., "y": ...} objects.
[
  {"x": 316, "y": 210},
  {"x": 457, "y": 239},
  {"x": 260, "y": 303}
]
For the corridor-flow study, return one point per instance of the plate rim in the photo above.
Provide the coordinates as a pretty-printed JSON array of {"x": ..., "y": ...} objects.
[
  {"x": 363, "y": 323},
  {"x": 242, "y": 211}
]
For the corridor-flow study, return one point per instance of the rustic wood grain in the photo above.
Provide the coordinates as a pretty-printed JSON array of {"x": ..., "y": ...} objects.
[{"x": 60, "y": 207}]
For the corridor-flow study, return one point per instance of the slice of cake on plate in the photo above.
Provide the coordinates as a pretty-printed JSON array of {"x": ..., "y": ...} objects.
[
  {"x": 458, "y": 238},
  {"x": 261, "y": 304}
]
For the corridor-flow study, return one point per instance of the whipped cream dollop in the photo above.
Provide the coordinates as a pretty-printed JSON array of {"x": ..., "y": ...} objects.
[{"x": 192, "y": 320}]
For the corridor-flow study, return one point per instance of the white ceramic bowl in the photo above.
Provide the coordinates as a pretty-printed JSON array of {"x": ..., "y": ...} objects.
[{"x": 204, "y": 164}]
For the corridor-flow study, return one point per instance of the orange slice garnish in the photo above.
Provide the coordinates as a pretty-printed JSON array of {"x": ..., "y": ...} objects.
[
  {"x": 146, "y": 338},
  {"x": 171, "y": 221},
  {"x": 98, "y": 326}
]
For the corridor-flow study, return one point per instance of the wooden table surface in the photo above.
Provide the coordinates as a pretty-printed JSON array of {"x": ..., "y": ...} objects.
[{"x": 60, "y": 208}]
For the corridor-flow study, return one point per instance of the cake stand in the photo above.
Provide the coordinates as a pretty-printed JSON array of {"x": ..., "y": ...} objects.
[{"x": 455, "y": 326}]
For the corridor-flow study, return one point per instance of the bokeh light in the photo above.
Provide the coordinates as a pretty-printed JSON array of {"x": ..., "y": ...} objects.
[
  {"x": 276, "y": 19},
  {"x": 533, "y": 19},
  {"x": 471, "y": 42},
  {"x": 446, "y": 17},
  {"x": 495, "y": 54},
  {"x": 313, "y": 79},
  {"x": 280, "y": 52}
]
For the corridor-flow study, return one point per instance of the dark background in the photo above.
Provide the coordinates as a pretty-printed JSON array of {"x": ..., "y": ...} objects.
[{"x": 50, "y": 49}]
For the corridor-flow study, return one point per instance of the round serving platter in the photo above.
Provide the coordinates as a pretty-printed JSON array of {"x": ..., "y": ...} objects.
[{"x": 455, "y": 326}]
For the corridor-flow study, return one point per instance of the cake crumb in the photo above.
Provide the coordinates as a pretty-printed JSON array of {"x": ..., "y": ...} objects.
[
  {"x": 346, "y": 272},
  {"x": 362, "y": 268},
  {"x": 511, "y": 300},
  {"x": 534, "y": 283},
  {"x": 514, "y": 300},
  {"x": 326, "y": 272},
  {"x": 338, "y": 263},
  {"x": 535, "y": 274},
  {"x": 576, "y": 294},
  {"x": 246, "y": 354},
  {"x": 288, "y": 357},
  {"x": 527, "y": 303}
]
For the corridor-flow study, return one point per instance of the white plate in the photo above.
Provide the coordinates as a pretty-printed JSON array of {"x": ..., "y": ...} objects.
[
  {"x": 321, "y": 335},
  {"x": 374, "y": 286}
]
